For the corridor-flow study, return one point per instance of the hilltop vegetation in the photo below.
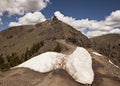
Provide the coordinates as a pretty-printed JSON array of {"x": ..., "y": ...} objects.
[{"x": 14, "y": 59}]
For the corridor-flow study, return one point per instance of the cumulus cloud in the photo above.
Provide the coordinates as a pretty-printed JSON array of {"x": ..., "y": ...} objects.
[
  {"x": 111, "y": 24},
  {"x": 95, "y": 33},
  {"x": 29, "y": 18},
  {"x": 83, "y": 23},
  {"x": 21, "y": 6},
  {"x": 11, "y": 24},
  {"x": 114, "y": 19},
  {"x": 116, "y": 30},
  {"x": 99, "y": 32}
]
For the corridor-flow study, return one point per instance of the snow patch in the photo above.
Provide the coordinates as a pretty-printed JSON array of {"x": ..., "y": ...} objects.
[
  {"x": 45, "y": 62},
  {"x": 113, "y": 64},
  {"x": 96, "y": 53},
  {"x": 78, "y": 64}
]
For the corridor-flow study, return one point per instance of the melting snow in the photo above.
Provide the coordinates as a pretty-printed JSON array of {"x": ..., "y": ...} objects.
[
  {"x": 96, "y": 53},
  {"x": 44, "y": 62},
  {"x": 78, "y": 64},
  {"x": 113, "y": 64}
]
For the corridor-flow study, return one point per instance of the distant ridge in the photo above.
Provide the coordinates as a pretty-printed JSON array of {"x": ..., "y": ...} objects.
[{"x": 108, "y": 45}]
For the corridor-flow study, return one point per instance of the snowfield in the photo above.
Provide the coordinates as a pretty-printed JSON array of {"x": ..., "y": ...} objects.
[{"x": 78, "y": 64}]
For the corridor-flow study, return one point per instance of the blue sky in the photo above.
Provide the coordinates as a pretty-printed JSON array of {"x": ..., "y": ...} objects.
[
  {"x": 92, "y": 9},
  {"x": 78, "y": 9}
]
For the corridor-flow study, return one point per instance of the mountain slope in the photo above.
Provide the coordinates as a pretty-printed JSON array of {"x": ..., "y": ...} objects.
[
  {"x": 17, "y": 39},
  {"x": 108, "y": 45},
  {"x": 24, "y": 42}
]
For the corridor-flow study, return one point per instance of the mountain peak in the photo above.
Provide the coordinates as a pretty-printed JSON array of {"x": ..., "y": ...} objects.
[{"x": 54, "y": 18}]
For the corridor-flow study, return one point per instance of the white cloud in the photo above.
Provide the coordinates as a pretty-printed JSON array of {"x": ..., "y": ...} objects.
[
  {"x": 29, "y": 18},
  {"x": 83, "y": 23},
  {"x": 99, "y": 32},
  {"x": 114, "y": 19},
  {"x": 117, "y": 30},
  {"x": 21, "y": 6},
  {"x": 95, "y": 33},
  {"x": 109, "y": 25},
  {"x": 11, "y": 24}
]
